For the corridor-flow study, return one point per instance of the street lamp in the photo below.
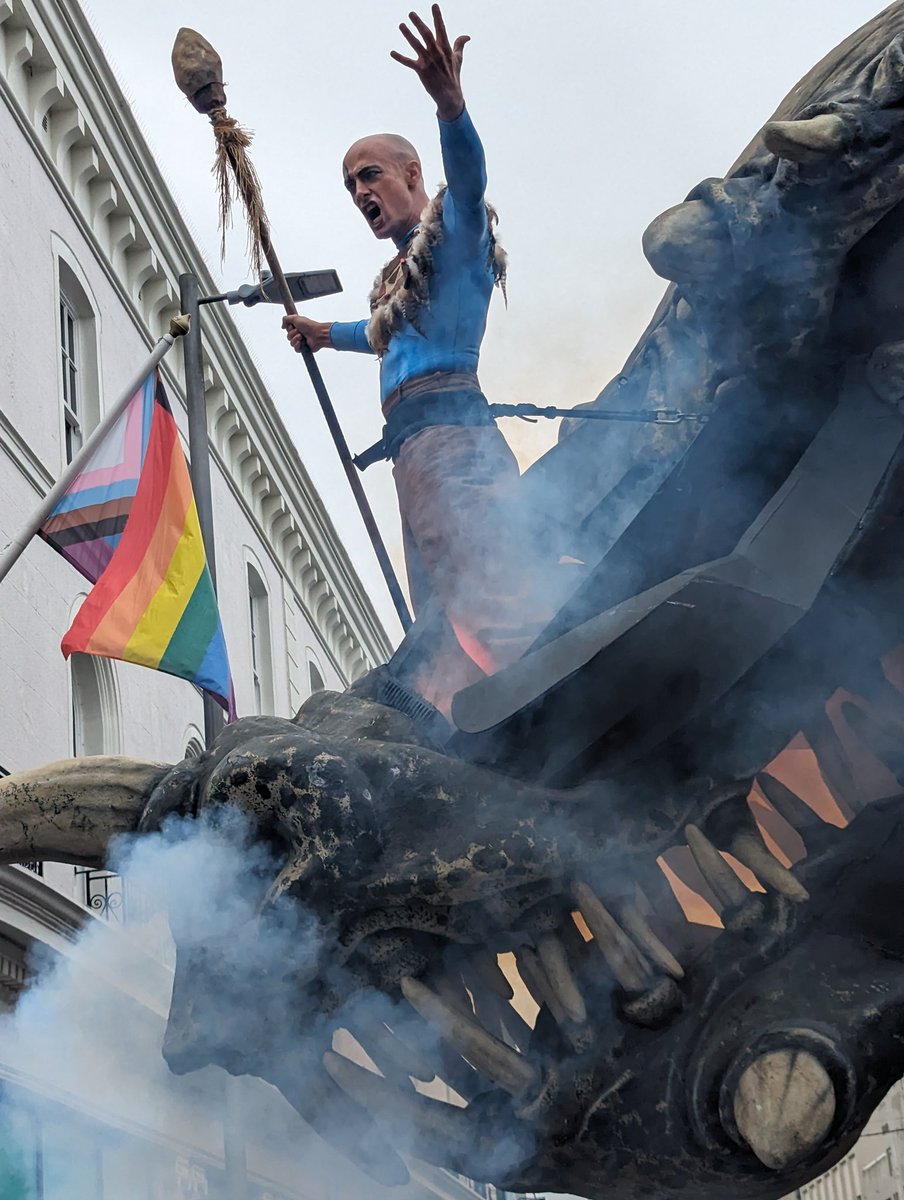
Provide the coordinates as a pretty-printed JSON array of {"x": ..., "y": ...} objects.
[{"x": 303, "y": 285}]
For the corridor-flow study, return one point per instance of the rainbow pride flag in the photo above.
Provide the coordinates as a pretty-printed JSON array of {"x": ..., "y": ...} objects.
[
  {"x": 129, "y": 523},
  {"x": 87, "y": 523}
]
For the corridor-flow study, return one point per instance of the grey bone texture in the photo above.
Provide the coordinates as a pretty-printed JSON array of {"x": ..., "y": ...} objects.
[{"x": 739, "y": 572}]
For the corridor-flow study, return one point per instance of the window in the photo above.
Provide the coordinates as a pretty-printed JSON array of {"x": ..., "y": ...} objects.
[
  {"x": 194, "y": 748},
  {"x": 69, "y": 352},
  {"x": 95, "y": 706},
  {"x": 77, "y": 334},
  {"x": 87, "y": 718},
  {"x": 261, "y": 653},
  {"x": 317, "y": 684},
  {"x": 96, "y": 730},
  {"x": 19, "y": 1151},
  {"x": 96, "y": 724}
]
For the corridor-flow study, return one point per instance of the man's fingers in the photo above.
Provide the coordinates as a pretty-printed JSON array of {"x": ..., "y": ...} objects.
[
  {"x": 424, "y": 30},
  {"x": 442, "y": 37},
  {"x": 414, "y": 63},
  {"x": 459, "y": 47},
  {"x": 410, "y": 38}
]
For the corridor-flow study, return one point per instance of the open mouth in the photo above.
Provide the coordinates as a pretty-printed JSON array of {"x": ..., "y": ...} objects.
[{"x": 372, "y": 212}]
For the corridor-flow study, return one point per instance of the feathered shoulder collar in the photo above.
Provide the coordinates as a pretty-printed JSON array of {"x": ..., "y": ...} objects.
[{"x": 402, "y": 288}]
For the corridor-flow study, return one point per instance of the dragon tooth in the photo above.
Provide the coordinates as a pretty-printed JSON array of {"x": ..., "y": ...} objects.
[
  {"x": 833, "y": 765},
  {"x": 641, "y": 931},
  {"x": 725, "y": 884},
  {"x": 487, "y": 968},
  {"x": 396, "y": 1061},
  {"x": 531, "y": 971},
  {"x": 750, "y": 849},
  {"x": 493, "y": 1011},
  {"x": 452, "y": 991},
  {"x": 552, "y": 954},
  {"x": 505, "y": 1066},
  {"x": 515, "y": 1025},
  {"x": 629, "y": 966},
  {"x": 341, "y": 1124},
  {"x": 786, "y": 803},
  {"x": 442, "y": 1124}
]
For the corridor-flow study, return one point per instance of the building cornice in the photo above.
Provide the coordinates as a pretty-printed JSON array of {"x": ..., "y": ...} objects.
[
  {"x": 53, "y": 913},
  {"x": 57, "y": 82}
]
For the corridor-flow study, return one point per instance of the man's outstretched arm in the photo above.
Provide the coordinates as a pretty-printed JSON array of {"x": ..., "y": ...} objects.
[
  {"x": 337, "y": 335},
  {"x": 438, "y": 66}
]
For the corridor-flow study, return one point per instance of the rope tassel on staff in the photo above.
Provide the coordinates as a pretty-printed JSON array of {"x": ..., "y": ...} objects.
[{"x": 199, "y": 73}]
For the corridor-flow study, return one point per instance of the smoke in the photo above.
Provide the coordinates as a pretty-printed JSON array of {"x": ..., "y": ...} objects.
[
  {"x": 88, "y": 1107},
  {"x": 90, "y": 1110}
]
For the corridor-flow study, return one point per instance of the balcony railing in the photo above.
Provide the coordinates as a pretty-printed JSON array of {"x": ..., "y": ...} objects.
[{"x": 103, "y": 893}]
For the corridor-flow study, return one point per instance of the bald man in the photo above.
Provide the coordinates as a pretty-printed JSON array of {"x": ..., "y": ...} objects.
[{"x": 452, "y": 467}]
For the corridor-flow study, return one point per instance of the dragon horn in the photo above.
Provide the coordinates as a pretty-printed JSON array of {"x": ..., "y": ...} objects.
[
  {"x": 69, "y": 811},
  {"x": 808, "y": 140}
]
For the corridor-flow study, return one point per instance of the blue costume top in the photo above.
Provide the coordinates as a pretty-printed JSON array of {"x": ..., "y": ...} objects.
[{"x": 453, "y": 324}]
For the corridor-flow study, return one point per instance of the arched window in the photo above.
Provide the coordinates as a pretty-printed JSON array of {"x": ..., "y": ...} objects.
[
  {"x": 317, "y": 684},
  {"x": 79, "y": 391},
  {"x": 96, "y": 730},
  {"x": 194, "y": 748},
  {"x": 95, "y": 706},
  {"x": 261, "y": 649}
]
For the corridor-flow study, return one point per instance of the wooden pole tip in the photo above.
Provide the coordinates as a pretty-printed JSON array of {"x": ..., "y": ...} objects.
[{"x": 198, "y": 70}]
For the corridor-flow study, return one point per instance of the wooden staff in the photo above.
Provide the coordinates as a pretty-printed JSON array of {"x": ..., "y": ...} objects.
[{"x": 199, "y": 74}]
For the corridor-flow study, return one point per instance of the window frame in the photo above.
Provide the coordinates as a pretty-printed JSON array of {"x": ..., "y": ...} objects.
[
  {"x": 77, "y": 345},
  {"x": 70, "y": 365},
  {"x": 260, "y": 640}
]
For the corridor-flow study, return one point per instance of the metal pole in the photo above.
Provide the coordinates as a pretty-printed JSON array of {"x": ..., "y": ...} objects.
[
  {"x": 46, "y": 507},
  {"x": 199, "y": 453},
  {"x": 234, "y": 1156}
]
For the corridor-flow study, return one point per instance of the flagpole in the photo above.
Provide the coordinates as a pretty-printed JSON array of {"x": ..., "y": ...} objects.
[
  {"x": 199, "y": 459},
  {"x": 178, "y": 326}
]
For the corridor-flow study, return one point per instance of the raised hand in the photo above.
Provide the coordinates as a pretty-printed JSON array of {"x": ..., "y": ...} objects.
[{"x": 438, "y": 64}]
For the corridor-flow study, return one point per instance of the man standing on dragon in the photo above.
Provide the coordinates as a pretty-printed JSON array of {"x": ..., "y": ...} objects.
[{"x": 453, "y": 468}]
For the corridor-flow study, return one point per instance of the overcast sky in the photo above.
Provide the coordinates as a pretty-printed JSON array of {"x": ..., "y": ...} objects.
[{"x": 595, "y": 114}]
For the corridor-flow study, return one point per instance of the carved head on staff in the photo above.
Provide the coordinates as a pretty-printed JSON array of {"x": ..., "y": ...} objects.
[
  {"x": 199, "y": 73},
  {"x": 198, "y": 70}
]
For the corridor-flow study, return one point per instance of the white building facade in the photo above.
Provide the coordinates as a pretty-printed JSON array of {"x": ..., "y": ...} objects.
[
  {"x": 873, "y": 1169},
  {"x": 91, "y": 249}
]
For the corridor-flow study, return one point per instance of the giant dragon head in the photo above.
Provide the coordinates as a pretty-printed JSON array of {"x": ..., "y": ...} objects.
[{"x": 742, "y": 594}]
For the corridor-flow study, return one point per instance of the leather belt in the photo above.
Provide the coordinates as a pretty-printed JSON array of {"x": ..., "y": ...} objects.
[{"x": 440, "y": 398}]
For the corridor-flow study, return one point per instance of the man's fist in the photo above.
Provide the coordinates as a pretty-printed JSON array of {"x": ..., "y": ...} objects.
[{"x": 302, "y": 329}]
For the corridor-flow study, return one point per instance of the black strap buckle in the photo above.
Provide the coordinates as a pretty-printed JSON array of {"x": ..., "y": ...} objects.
[{"x": 375, "y": 453}]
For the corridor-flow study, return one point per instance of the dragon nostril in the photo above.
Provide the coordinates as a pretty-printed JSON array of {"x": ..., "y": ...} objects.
[{"x": 784, "y": 1105}]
